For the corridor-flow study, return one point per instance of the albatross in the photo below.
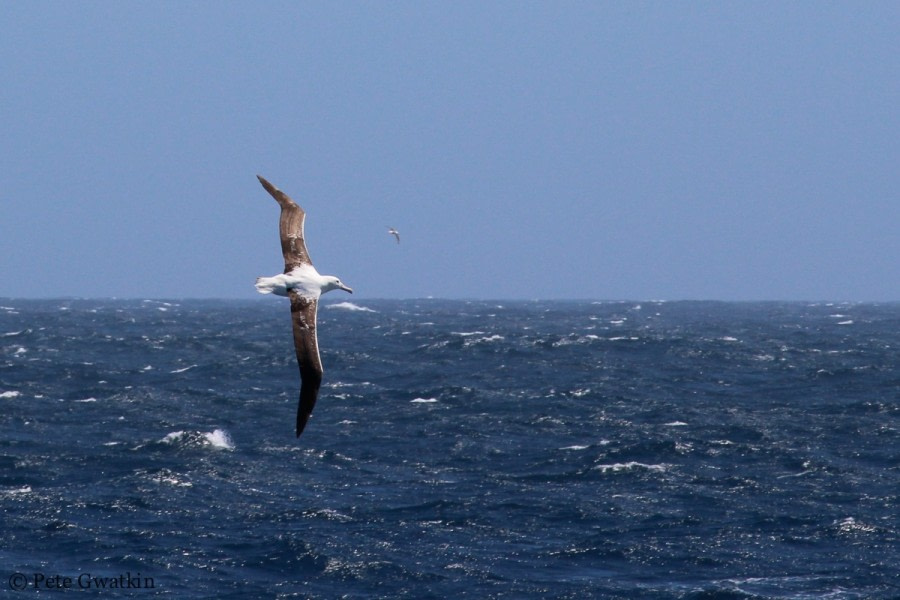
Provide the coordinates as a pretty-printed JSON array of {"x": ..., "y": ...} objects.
[
  {"x": 394, "y": 233},
  {"x": 303, "y": 285}
]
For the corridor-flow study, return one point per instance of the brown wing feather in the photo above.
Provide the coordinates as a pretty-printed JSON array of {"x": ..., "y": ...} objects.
[
  {"x": 303, "y": 315},
  {"x": 290, "y": 226}
]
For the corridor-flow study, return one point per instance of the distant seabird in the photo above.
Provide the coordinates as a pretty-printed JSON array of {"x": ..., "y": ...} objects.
[
  {"x": 394, "y": 233},
  {"x": 303, "y": 285}
]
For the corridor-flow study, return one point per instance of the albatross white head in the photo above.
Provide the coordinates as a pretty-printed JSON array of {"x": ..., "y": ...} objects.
[{"x": 333, "y": 283}]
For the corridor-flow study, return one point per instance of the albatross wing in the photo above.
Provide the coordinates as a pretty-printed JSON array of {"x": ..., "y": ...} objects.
[
  {"x": 293, "y": 243},
  {"x": 303, "y": 315}
]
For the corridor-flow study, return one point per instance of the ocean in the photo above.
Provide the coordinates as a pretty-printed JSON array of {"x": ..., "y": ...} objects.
[{"x": 458, "y": 450}]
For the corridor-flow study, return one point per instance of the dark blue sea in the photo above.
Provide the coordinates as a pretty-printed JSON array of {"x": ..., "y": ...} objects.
[{"x": 458, "y": 450}]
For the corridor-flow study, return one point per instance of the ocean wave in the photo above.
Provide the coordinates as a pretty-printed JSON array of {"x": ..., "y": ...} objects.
[
  {"x": 218, "y": 438},
  {"x": 349, "y": 306}
]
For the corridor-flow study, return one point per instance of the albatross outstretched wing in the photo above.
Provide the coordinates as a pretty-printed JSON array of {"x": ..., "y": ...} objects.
[
  {"x": 303, "y": 315},
  {"x": 293, "y": 243}
]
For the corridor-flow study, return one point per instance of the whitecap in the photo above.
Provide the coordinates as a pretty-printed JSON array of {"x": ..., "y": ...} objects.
[
  {"x": 467, "y": 333},
  {"x": 850, "y": 525},
  {"x": 329, "y": 514},
  {"x": 349, "y": 306},
  {"x": 91, "y": 399},
  {"x": 615, "y": 467},
  {"x": 12, "y": 394},
  {"x": 25, "y": 489},
  {"x": 676, "y": 424},
  {"x": 13, "y": 333},
  {"x": 847, "y": 322},
  {"x": 490, "y": 338},
  {"x": 183, "y": 370},
  {"x": 220, "y": 439},
  {"x": 576, "y": 447},
  {"x": 424, "y": 400},
  {"x": 167, "y": 476},
  {"x": 172, "y": 437}
]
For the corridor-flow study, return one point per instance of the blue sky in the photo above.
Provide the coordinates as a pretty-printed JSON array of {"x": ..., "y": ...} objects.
[{"x": 603, "y": 150}]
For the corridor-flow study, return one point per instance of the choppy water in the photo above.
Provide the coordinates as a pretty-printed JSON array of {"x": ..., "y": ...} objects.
[{"x": 459, "y": 449}]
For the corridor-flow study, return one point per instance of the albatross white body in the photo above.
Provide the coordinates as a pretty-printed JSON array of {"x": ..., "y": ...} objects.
[{"x": 304, "y": 279}]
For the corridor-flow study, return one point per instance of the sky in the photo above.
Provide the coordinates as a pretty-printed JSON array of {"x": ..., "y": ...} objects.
[{"x": 524, "y": 150}]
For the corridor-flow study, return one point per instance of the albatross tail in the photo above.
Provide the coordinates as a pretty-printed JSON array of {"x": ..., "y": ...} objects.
[{"x": 265, "y": 285}]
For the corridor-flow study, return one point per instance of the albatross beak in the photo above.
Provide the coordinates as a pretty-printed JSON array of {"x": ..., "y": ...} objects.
[{"x": 346, "y": 289}]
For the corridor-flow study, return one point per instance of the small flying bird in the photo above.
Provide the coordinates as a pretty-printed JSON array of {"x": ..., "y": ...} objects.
[
  {"x": 394, "y": 233},
  {"x": 303, "y": 285}
]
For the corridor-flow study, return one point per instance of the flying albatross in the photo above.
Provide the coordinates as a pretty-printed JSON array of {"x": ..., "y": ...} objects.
[
  {"x": 303, "y": 285},
  {"x": 394, "y": 233}
]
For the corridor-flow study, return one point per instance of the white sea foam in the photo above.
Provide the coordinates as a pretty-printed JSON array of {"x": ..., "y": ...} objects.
[
  {"x": 172, "y": 437},
  {"x": 484, "y": 340},
  {"x": 631, "y": 465},
  {"x": 847, "y": 322},
  {"x": 850, "y": 525},
  {"x": 220, "y": 439},
  {"x": 25, "y": 489},
  {"x": 11, "y": 394},
  {"x": 167, "y": 476},
  {"x": 183, "y": 370},
  {"x": 91, "y": 399},
  {"x": 13, "y": 333},
  {"x": 576, "y": 447},
  {"x": 329, "y": 514},
  {"x": 424, "y": 400},
  {"x": 349, "y": 306}
]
